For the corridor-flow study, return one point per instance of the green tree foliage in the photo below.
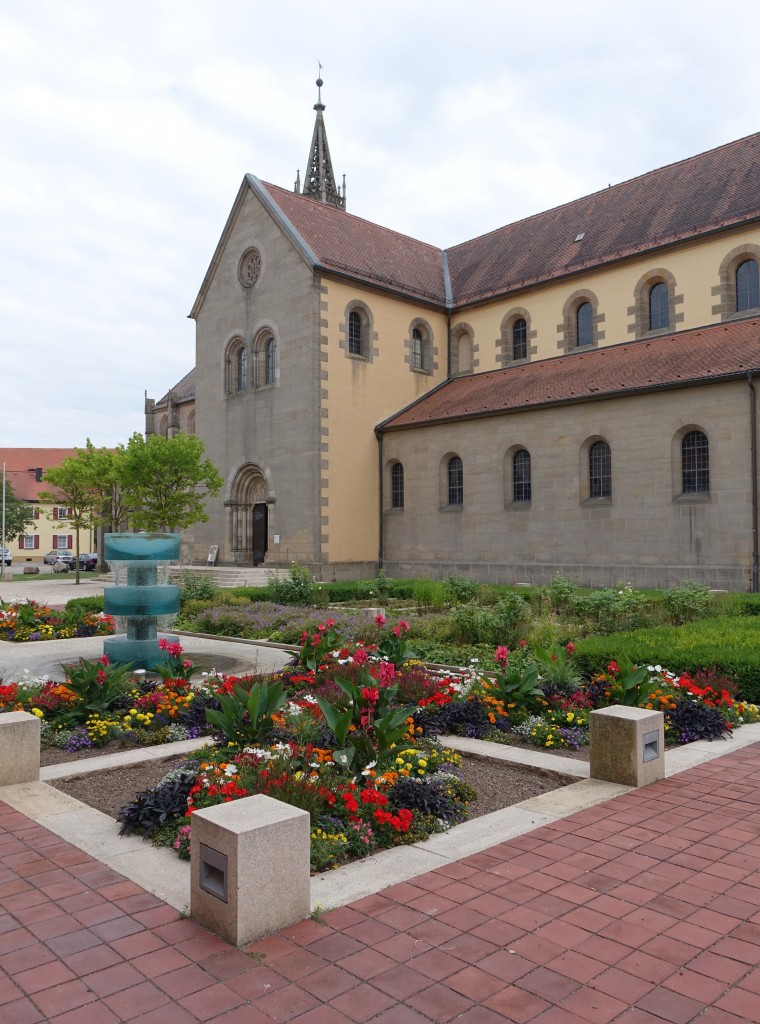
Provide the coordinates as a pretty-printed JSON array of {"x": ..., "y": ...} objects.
[
  {"x": 168, "y": 481},
  {"x": 106, "y": 470},
  {"x": 73, "y": 486},
  {"x": 18, "y": 514}
]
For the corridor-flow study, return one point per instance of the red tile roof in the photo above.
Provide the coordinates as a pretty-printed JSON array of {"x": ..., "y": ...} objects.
[
  {"x": 22, "y": 463},
  {"x": 670, "y": 361},
  {"x": 350, "y": 245},
  {"x": 717, "y": 189},
  {"x": 712, "y": 191}
]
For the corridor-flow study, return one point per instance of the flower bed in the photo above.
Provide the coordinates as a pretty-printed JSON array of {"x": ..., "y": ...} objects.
[
  {"x": 23, "y": 621},
  {"x": 350, "y": 731}
]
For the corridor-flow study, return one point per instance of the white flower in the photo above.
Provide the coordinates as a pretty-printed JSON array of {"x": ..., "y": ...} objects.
[
  {"x": 230, "y": 770},
  {"x": 369, "y": 767}
]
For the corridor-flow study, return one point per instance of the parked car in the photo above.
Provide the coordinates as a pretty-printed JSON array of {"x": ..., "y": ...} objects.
[
  {"x": 88, "y": 562},
  {"x": 7, "y": 557},
  {"x": 64, "y": 555}
]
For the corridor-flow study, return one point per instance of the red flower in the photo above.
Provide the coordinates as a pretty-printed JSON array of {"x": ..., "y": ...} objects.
[
  {"x": 379, "y": 620},
  {"x": 501, "y": 655},
  {"x": 360, "y": 656},
  {"x": 570, "y": 648},
  {"x": 371, "y": 694},
  {"x": 613, "y": 667}
]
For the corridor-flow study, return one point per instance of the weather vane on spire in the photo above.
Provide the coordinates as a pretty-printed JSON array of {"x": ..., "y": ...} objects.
[{"x": 320, "y": 83}]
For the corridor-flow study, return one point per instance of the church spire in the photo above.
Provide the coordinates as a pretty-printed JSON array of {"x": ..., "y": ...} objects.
[{"x": 319, "y": 179}]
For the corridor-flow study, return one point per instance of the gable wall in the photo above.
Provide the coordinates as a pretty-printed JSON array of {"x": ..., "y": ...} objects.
[{"x": 275, "y": 427}]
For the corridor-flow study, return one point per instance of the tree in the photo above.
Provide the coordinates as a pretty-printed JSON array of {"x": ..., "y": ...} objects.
[
  {"x": 168, "y": 481},
  {"x": 75, "y": 488},
  {"x": 18, "y": 514}
]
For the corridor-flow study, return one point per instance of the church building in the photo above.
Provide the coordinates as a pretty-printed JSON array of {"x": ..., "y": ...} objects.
[{"x": 573, "y": 393}]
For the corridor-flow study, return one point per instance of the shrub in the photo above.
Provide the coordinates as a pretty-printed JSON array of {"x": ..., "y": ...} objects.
[
  {"x": 78, "y": 606},
  {"x": 295, "y": 588},
  {"x": 687, "y": 602},
  {"x": 460, "y": 589},
  {"x": 154, "y": 807},
  {"x": 611, "y": 610},
  {"x": 428, "y": 594},
  {"x": 194, "y": 586}
]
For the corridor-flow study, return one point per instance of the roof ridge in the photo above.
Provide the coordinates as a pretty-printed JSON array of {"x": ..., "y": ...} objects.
[
  {"x": 604, "y": 191},
  {"x": 353, "y": 216}
]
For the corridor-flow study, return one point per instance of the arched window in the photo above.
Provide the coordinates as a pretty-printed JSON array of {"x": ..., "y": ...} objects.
[
  {"x": 241, "y": 369},
  {"x": 747, "y": 286},
  {"x": 420, "y": 350},
  {"x": 520, "y": 339},
  {"x": 163, "y": 427},
  {"x": 658, "y": 307},
  {"x": 695, "y": 463},
  {"x": 599, "y": 470},
  {"x": 191, "y": 423},
  {"x": 269, "y": 361},
  {"x": 584, "y": 324},
  {"x": 417, "y": 349},
  {"x": 355, "y": 347},
  {"x": 521, "y": 476},
  {"x": 264, "y": 359},
  {"x": 456, "y": 481},
  {"x": 397, "y": 485}
]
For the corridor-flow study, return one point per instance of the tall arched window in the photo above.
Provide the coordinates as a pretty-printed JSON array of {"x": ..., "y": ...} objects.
[
  {"x": 658, "y": 307},
  {"x": 520, "y": 339},
  {"x": 241, "y": 369},
  {"x": 584, "y": 324},
  {"x": 456, "y": 481},
  {"x": 269, "y": 361},
  {"x": 695, "y": 463},
  {"x": 397, "y": 485},
  {"x": 747, "y": 286},
  {"x": 521, "y": 490},
  {"x": 354, "y": 334},
  {"x": 417, "y": 349},
  {"x": 599, "y": 470}
]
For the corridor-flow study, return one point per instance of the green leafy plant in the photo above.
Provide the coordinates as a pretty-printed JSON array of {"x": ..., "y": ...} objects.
[
  {"x": 629, "y": 683},
  {"x": 393, "y": 647},
  {"x": 245, "y": 718},
  {"x": 366, "y": 730},
  {"x": 460, "y": 589},
  {"x": 516, "y": 679},
  {"x": 315, "y": 646},
  {"x": 98, "y": 685},
  {"x": 556, "y": 666}
]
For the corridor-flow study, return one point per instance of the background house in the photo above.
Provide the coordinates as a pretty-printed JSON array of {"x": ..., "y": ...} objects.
[{"x": 24, "y": 469}]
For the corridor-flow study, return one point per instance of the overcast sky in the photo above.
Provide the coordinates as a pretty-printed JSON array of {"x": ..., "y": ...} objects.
[{"x": 126, "y": 130}]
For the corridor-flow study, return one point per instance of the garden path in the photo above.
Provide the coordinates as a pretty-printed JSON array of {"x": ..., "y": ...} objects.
[{"x": 641, "y": 909}]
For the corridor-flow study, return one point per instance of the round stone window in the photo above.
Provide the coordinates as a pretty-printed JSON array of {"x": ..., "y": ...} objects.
[{"x": 250, "y": 268}]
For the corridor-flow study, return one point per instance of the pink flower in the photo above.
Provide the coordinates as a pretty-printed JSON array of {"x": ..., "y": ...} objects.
[
  {"x": 387, "y": 673},
  {"x": 187, "y": 664},
  {"x": 379, "y": 620},
  {"x": 162, "y": 644},
  {"x": 523, "y": 643},
  {"x": 360, "y": 656},
  {"x": 570, "y": 648},
  {"x": 330, "y": 622},
  {"x": 403, "y": 624},
  {"x": 397, "y": 630},
  {"x": 501, "y": 655},
  {"x": 104, "y": 660}
]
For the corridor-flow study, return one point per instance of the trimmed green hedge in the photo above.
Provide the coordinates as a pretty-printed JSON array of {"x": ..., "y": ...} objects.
[
  {"x": 731, "y": 644},
  {"x": 81, "y": 605}
]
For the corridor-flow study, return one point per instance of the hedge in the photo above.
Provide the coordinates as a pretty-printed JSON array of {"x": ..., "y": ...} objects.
[{"x": 730, "y": 644}]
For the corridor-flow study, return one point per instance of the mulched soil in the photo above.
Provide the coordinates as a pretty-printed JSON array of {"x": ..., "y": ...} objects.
[{"x": 497, "y": 784}]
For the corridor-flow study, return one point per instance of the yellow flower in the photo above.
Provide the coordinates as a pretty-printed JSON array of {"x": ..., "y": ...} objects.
[{"x": 37, "y": 713}]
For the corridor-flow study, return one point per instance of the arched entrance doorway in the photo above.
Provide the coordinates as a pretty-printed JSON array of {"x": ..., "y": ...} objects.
[{"x": 248, "y": 511}]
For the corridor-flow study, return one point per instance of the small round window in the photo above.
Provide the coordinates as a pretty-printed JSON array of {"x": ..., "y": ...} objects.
[{"x": 250, "y": 268}]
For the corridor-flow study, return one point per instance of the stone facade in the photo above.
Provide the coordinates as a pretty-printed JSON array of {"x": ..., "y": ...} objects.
[{"x": 290, "y": 395}]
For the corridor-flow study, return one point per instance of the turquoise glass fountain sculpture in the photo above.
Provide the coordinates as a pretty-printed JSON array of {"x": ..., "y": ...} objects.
[{"x": 141, "y": 600}]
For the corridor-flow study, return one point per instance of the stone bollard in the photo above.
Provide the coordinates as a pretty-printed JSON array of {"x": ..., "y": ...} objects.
[
  {"x": 19, "y": 748},
  {"x": 249, "y": 873},
  {"x": 31, "y": 570},
  {"x": 372, "y": 613},
  {"x": 627, "y": 745}
]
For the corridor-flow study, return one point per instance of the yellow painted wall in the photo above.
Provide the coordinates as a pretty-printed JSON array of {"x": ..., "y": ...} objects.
[
  {"x": 696, "y": 268},
  {"x": 357, "y": 395},
  {"x": 46, "y": 528}
]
